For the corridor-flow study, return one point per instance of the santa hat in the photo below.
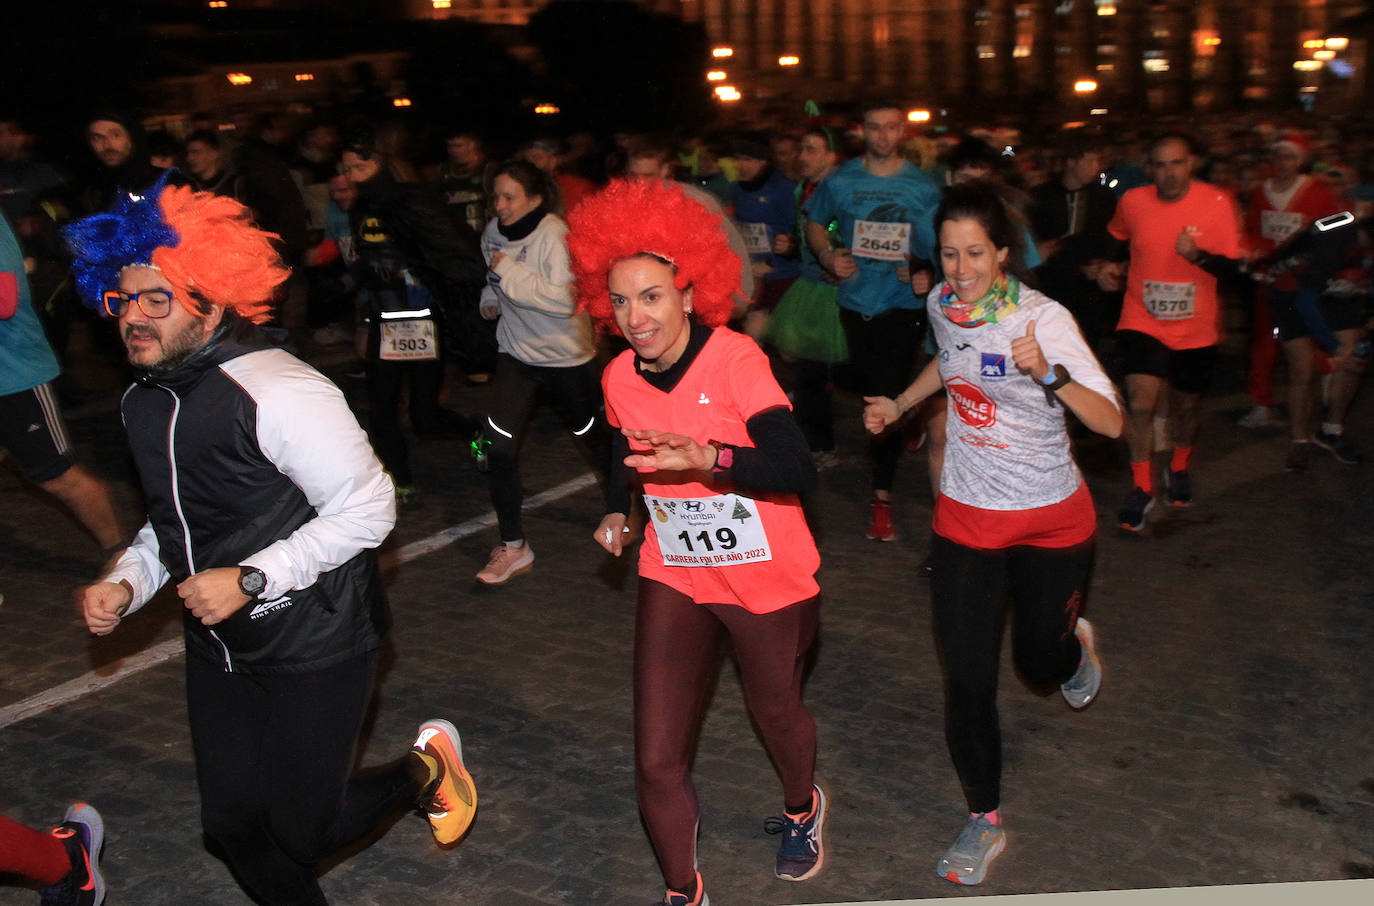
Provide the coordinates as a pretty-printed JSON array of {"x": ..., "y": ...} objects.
[{"x": 1295, "y": 142}]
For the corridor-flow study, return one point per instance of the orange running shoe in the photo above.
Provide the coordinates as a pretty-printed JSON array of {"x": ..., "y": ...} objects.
[{"x": 453, "y": 796}]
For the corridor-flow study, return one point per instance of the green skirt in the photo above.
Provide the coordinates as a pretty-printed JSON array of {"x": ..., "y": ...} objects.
[{"x": 806, "y": 323}]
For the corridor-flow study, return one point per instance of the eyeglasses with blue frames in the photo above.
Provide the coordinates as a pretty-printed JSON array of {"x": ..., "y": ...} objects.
[{"x": 154, "y": 303}]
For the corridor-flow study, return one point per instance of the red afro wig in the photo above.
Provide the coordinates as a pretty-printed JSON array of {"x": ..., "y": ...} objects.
[
  {"x": 634, "y": 217},
  {"x": 222, "y": 257}
]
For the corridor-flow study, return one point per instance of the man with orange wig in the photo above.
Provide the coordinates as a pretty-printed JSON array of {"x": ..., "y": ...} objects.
[{"x": 265, "y": 504}]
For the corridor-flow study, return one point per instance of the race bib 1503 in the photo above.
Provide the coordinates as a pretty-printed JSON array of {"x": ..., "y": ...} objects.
[{"x": 409, "y": 341}]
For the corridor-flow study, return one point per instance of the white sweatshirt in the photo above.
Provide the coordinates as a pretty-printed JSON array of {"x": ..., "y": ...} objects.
[{"x": 539, "y": 322}]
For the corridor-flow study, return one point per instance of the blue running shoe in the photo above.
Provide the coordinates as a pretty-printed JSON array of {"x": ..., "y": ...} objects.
[
  {"x": 673, "y": 898},
  {"x": 802, "y": 852}
]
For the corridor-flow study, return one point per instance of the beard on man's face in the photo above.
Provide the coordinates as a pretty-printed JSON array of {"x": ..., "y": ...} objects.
[{"x": 171, "y": 349}]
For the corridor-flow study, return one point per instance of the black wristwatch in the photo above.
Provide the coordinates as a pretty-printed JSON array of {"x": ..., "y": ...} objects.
[{"x": 252, "y": 581}]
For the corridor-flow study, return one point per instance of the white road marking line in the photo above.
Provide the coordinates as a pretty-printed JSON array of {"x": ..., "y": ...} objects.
[{"x": 96, "y": 680}]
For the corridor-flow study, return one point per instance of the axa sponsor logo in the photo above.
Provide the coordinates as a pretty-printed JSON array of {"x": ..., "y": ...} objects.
[
  {"x": 971, "y": 404},
  {"x": 266, "y": 607},
  {"x": 993, "y": 366}
]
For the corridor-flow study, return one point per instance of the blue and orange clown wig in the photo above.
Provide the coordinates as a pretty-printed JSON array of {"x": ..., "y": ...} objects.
[
  {"x": 637, "y": 217},
  {"x": 206, "y": 246}
]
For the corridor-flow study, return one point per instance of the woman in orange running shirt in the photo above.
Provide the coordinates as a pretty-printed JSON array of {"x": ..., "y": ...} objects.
[{"x": 708, "y": 434}]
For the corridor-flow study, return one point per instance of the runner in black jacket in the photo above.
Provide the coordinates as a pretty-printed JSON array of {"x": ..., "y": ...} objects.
[{"x": 265, "y": 503}]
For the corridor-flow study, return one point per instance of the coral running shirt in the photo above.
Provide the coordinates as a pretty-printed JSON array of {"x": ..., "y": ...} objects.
[
  {"x": 1167, "y": 297},
  {"x": 728, "y": 383}
]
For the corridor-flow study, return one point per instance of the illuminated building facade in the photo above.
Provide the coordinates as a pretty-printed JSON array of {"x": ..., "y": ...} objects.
[
  {"x": 1142, "y": 54},
  {"x": 1023, "y": 56}
]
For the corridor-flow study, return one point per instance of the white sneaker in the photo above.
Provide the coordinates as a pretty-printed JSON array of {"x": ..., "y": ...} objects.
[
  {"x": 1258, "y": 417},
  {"x": 1081, "y": 688},
  {"x": 506, "y": 561},
  {"x": 968, "y": 859}
]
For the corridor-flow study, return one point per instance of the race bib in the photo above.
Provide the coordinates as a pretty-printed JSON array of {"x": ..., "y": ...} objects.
[
  {"x": 1279, "y": 225},
  {"x": 708, "y": 531},
  {"x": 755, "y": 238},
  {"x": 1169, "y": 301},
  {"x": 882, "y": 241},
  {"x": 409, "y": 341}
]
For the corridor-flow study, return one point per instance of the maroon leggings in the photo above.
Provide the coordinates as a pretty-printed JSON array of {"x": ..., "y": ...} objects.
[
  {"x": 677, "y": 644},
  {"x": 32, "y": 854}
]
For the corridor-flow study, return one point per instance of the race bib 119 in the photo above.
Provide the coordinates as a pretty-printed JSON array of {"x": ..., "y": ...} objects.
[{"x": 708, "y": 531}]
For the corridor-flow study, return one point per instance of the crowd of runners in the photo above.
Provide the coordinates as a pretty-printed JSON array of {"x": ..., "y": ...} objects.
[{"x": 699, "y": 311}]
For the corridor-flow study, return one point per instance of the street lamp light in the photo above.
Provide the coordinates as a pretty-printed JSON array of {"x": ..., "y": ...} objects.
[
  {"x": 1084, "y": 86},
  {"x": 722, "y": 52},
  {"x": 788, "y": 60}
]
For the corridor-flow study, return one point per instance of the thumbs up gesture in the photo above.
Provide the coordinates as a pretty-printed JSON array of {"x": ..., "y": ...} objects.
[{"x": 1027, "y": 356}]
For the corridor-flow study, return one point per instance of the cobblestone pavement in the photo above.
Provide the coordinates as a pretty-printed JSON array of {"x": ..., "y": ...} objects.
[{"x": 1233, "y": 741}]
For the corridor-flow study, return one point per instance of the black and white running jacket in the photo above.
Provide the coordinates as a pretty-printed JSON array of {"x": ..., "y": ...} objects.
[{"x": 249, "y": 456}]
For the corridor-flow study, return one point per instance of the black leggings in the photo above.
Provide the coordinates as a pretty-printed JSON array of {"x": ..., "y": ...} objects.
[
  {"x": 969, "y": 593},
  {"x": 677, "y": 644},
  {"x": 882, "y": 350},
  {"x": 273, "y": 759},
  {"x": 385, "y": 381},
  {"x": 813, "y": 406},
  {"x": 576, "y": 394}
]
